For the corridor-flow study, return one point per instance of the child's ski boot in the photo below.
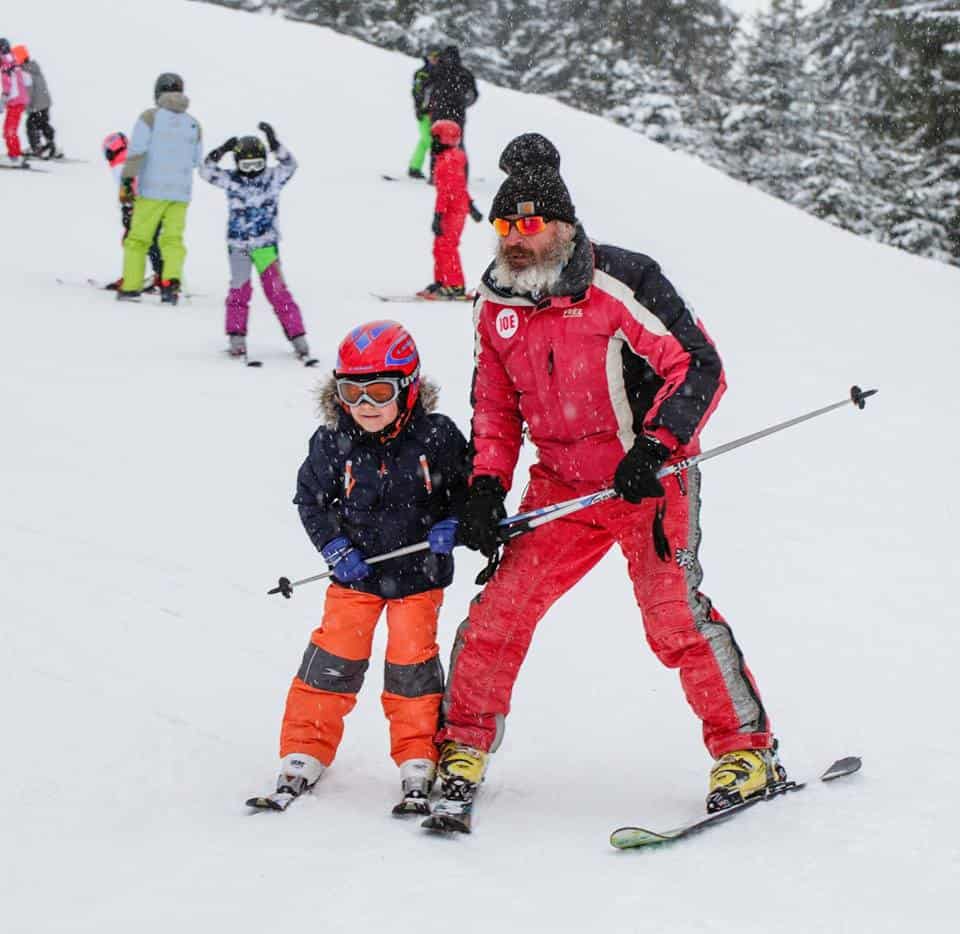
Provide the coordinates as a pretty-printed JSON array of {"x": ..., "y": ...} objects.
[{"x": 416, "y": 780}]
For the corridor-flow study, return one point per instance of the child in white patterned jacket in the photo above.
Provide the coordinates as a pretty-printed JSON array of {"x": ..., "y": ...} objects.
[{"x": 253, "y": 190}]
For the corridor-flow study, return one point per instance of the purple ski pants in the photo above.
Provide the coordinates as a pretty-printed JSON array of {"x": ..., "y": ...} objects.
[{"x": 274, "y": 287}]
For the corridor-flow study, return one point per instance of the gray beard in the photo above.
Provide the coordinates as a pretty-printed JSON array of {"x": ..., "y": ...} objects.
[{"x": 539, "y": 279}]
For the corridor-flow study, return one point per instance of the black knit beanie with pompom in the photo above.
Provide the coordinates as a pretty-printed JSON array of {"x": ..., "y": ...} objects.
[{"x": 533, "y": 184}]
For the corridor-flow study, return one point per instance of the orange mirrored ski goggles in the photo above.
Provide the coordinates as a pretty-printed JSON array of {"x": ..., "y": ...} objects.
[
  {"x": 378, "y": 392},
  {"x": 526, "y": 226}
]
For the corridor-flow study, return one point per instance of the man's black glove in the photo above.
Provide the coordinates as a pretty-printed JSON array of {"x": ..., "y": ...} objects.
[
  {"x": 475, "y": 213},
  {"x": 217, "y": 154},
  {"x": 267, "y": 131},
  {"x": 437, "y": 226},
  {"x": 636, "y": 476},
  {"x": 482, "y": 511}
]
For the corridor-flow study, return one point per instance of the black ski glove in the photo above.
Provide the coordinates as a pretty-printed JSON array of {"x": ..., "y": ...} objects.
[
  {"x": 267, "y": 131},
  {"x": 475, "y": 213},
  {"x": 437, "y": 225},
  {"x": 217, "y": 154},
  {"x": 482, "y": 511},
  {"x": 636, "y": 476}
]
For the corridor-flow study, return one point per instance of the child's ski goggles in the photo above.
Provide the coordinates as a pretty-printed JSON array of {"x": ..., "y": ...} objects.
[
  {"x": 378, "y": 392},
  {"x": 252, "y": 165},
  {"x": 526, "y": 226}
]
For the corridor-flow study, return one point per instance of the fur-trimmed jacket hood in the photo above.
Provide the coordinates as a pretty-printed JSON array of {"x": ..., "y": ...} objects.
[
  {"x": 384, "y": 493},
  {"x": 330, "y": 411}
]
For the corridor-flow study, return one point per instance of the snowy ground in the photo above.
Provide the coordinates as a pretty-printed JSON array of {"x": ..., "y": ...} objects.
[{"x": 145, "y": 509}]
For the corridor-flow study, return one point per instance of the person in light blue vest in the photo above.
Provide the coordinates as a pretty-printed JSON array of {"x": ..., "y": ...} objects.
[{"x": 165, "y": 148}]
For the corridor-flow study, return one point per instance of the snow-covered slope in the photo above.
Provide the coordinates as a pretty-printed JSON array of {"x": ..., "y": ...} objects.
[{"x": 145, "y": 509}]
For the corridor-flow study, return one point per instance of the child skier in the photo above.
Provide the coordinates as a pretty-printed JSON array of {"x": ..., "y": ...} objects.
[
  {"x": 383, "y": 473},
  {"x": 40, "y": 132},
  {"x": 14, "y": 97},
  {"x": 115, "y": 152},
  {"x": 252, "y": 235},
  {"x": 452, "y": 206}
]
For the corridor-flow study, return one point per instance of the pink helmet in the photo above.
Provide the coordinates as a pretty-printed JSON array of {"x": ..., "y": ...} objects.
[{"x": 115, "y": 149}]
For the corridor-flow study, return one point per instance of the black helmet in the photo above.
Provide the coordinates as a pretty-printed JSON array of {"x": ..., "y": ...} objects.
[
  {"x": 250, "y": 150},
  {"x": 168, "y": 81},
  {"x": 4, "y": 46}
]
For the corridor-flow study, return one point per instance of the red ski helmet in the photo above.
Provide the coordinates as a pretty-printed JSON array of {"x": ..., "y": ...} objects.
[
  {"x": 447, "y": 132},
  {"x": 383, "y": 348},
  {"x": 115, "y": 148}
]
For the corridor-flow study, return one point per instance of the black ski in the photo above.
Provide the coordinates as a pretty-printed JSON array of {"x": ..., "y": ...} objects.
[
  {"x": 277, "y": 801},
  {"x": 412, "y": 805},
  {"x": 26, "y": 167},
  {"x": 625, "y": 838}
]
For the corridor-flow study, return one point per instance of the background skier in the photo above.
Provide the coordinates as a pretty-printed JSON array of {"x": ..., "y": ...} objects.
[
  {"x": 420, "y": 79},
  {"x": 115, "y": 148},
  {"x": 450, "y": 210},
  {"x": 253, "y": 189},
  {"x": 383, "y": 472},
  {"x": 164, "y": 150},
  {"x": 592, "y": 348},
  {"x": 450, "y": 90},
  {"x": 40, "y": 132},
  {"x": 14, "y": 98}
]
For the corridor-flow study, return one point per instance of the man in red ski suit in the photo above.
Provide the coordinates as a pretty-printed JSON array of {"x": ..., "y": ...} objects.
[
  {"x": 593, "y": 350},
  {"x": 451, "y": 209}
]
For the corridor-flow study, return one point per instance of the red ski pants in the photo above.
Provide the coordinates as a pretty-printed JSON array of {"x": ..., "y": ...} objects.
[
  {"x": 447, "y": 269},
  {"x": 11, "y": 132},
  {"x": 325, "y": 688},
  {"x": 682, "y": 627}
]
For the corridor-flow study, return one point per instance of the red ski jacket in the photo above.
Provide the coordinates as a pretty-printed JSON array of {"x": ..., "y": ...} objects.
[
  {"x": 450, "y": 180},
  {"x": 614, "y": 353}
]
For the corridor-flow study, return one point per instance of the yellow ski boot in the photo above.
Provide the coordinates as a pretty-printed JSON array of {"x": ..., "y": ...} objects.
[
  {"x": 460, "y": 771},
  {"x": 743, "y": 774}
]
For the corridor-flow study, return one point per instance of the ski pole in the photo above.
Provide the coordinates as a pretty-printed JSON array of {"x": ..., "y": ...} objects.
[
  {"x": 523, "y": 522},
  {"x": 285, "y": 585}
]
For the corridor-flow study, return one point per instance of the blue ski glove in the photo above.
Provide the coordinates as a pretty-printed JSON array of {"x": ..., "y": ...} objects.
[
  {"x": 443, "y": 536},
  {"x": 345, "y": 562}
]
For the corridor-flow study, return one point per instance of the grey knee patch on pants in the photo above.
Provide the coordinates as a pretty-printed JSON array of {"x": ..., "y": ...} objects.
[{"x": 240, "y": 268}]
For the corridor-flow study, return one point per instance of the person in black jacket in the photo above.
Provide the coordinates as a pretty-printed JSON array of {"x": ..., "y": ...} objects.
[
  {"x": 384, "y": 472},
  {"x": 450, "y": 90}
]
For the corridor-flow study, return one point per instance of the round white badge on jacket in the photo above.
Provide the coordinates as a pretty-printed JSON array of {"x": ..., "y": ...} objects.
[{"x": 507, "y": 322}]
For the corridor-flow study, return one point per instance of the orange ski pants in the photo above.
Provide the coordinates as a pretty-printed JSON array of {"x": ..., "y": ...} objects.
[{"x": 325, "y": 688}]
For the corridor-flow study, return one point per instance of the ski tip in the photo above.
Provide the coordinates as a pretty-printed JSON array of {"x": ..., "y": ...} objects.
[
  {"x": 254, "y": 363},
  {"x": 845, "y": 766},
  {"x": 263, "y": 803},
  {"x": 440, "y": 824}
]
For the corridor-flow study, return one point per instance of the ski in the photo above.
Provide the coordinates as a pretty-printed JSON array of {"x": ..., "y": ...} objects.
[
  {"x": 26, "y": 167},
  {"x": 412, "y": 805},
  {"x": 277, "y": 801},
  {"x": 421, "y": 181},
  {"x": 441, "y": 821},
  {"x": 625, "y": 838},
  {"x": 105, "y": 286},
  {"x": 469, "y": 297}
]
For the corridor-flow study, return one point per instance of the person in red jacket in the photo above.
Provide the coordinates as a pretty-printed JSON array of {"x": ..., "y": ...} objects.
[
  {"x": 592, "y": 349},
  {"x": 451, "y": 209}
]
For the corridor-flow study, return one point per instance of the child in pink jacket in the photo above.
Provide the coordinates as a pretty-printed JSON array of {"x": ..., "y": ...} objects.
[{"x": 13, "y": 100}]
